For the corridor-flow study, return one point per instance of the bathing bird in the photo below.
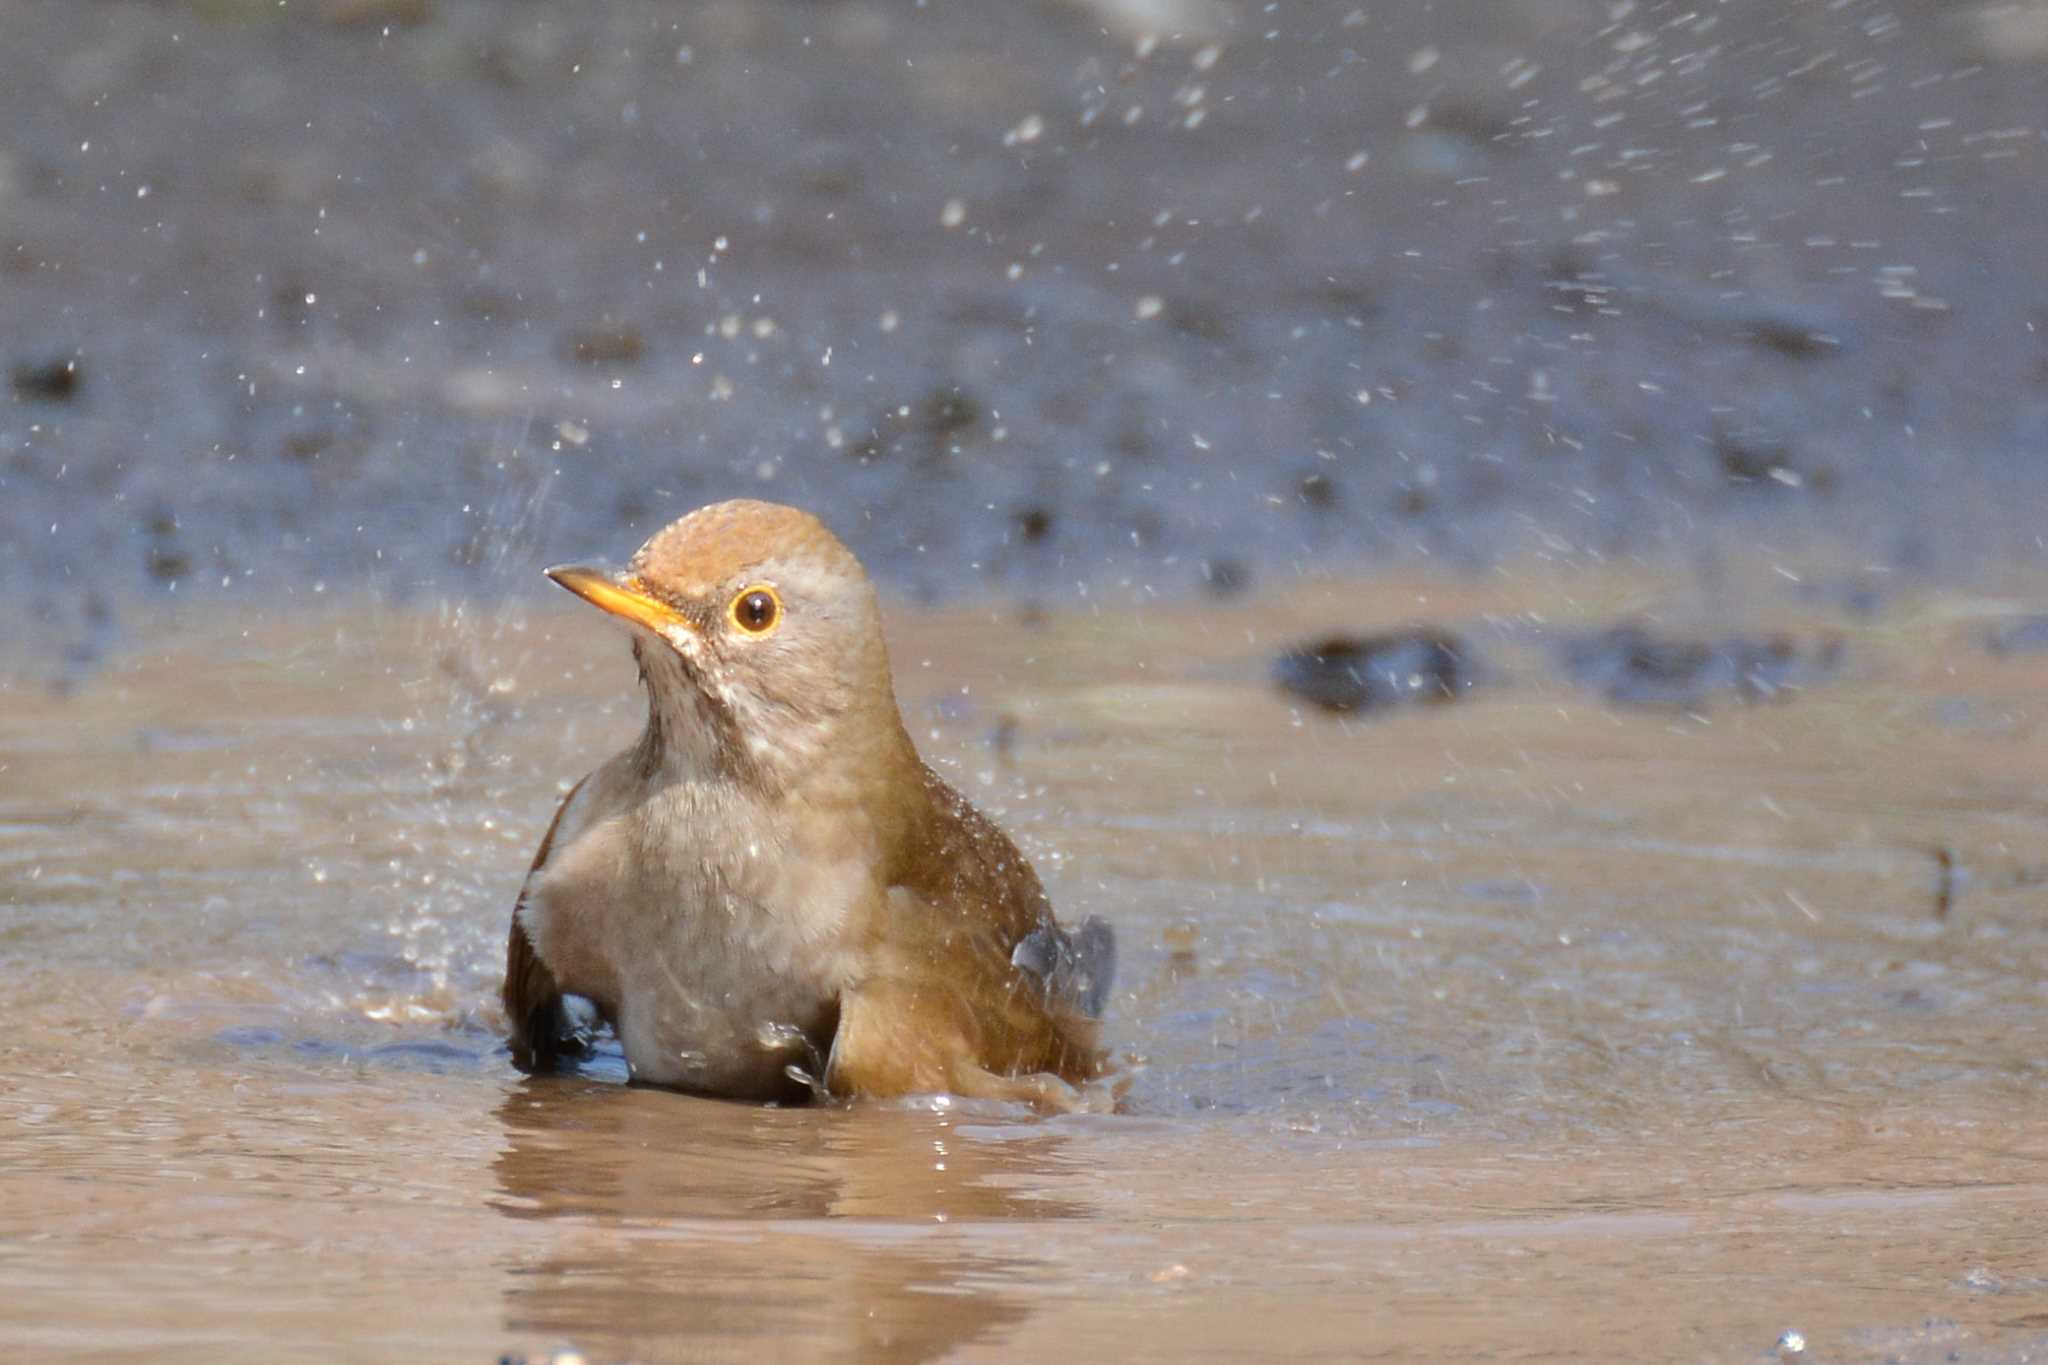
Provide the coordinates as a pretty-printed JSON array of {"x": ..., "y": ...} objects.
[{"x": 768, "y": 895}]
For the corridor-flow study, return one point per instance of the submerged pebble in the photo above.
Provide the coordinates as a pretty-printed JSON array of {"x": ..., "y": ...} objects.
[
  {"x": 1630, "y": 666},
  {"x": 1357, "y": 673}
]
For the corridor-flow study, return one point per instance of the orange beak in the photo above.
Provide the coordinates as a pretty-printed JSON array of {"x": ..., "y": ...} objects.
[{"x": 618, "y": 594}]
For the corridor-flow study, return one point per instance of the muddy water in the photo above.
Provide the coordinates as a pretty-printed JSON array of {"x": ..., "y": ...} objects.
[{"x": 1522, "y": 1027}]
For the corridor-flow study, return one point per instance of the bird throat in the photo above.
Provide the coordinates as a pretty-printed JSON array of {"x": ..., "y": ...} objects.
[{"x": 688, "y": 728}]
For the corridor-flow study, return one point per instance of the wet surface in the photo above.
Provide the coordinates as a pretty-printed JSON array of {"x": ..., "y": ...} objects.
[
  {"x": 418, "y": 293},
  {"x": 1526, "y": 1027}
]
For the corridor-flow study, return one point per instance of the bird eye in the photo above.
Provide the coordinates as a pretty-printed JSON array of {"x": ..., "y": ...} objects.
[{"x": 756, "y": 610}]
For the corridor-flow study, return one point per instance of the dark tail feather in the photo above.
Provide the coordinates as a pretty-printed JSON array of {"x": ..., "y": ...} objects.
[
  {"x": 533, "y": 1003},
  {"x": 543, "y": 1029},
  {"x": 1077, "y": 968}
]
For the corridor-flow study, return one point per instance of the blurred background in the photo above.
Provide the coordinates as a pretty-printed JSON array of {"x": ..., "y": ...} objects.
[{"x": 1025, "y": 297}]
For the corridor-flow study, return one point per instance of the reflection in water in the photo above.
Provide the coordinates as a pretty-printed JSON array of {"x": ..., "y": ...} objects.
[{"x": 670, "y": 1227}]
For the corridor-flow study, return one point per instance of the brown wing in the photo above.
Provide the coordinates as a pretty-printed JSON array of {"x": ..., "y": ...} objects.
[
  {"x": 533, "y": 1002},
  {"x": 950, "y": 1007},
  {"x": 900, "y": 1037}
]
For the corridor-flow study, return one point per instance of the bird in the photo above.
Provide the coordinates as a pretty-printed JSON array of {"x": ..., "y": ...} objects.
[{"x": 769, "y": 895}]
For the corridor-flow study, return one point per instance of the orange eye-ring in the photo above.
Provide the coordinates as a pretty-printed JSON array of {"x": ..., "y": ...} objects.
[{"x": 756, "y": 610}]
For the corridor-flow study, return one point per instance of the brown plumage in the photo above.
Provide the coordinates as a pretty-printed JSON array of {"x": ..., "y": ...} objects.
[{"x": 769, "y": 892}]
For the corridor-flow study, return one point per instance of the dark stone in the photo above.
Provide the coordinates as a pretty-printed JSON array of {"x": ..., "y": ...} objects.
[
  {"x": 1359, "y": 673},
  {"x": 168, "y": 563},
  {"x": 1629, "y": 666},
  {"x": 250, "y": 1035},
  {"x": 1481, "y": 123},
  {"x": 609, "y": 344},
  {"x": 1751, "y": 459},
  {"x": 306, "y": 445},
  {"x": 379, "y": 14},
  {"x": 1034, "y": 523},
  {"x": 1747, "y": 460},
  {"x": 929, "y": 430},
  {"x": 1226, "y": 577},
  {"x": 1790, "y": 336},
  {"x": 1202, "y": 319},
  {"x": 1317, "y": 490},
  {"x": 2027, "y": 635},
  {"x": 55, "y": 380},
  {"x": 631, "y": 507},
  {"x": 947, "y": 410}
]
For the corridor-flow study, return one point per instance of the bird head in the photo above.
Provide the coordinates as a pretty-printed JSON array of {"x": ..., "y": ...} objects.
[{"x": 758, "y": 638}]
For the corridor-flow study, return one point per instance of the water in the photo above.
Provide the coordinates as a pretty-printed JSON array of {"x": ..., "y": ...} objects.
[{"x": 1521, "y": 1026}]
